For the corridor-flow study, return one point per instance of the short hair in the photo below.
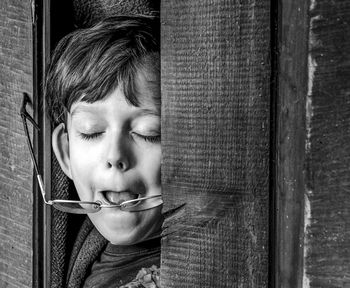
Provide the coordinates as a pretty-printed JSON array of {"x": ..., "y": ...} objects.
[{"x": 88, "y": 64}]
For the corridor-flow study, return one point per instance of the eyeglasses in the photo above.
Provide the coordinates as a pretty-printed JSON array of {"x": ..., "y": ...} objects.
[{"x": 75, "y": 206}]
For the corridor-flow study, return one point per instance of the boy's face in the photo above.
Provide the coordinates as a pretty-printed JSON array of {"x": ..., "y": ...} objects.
[{"x": 113, "y": 153}]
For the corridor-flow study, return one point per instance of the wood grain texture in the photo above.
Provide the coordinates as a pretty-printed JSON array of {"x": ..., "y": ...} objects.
[
  {"x": 15, "y": 167},
  {"x": 215, "y": 141},
  {"x": 290, "y": 134},
  {"x": 327, "y": 258}
]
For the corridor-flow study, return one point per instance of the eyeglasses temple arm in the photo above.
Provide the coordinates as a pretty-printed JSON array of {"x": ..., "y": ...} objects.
[
  {"x": 25, "y": 116},
  {"x": 31, "y": 150},
  {"x": 42, "y": 189},
  {"x": 24, "y": 112}
]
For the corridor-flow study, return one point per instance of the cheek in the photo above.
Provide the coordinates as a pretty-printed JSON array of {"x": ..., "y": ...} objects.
[
  {"x": 82, "y": 162},
  {"x": 150, "y": 166}
]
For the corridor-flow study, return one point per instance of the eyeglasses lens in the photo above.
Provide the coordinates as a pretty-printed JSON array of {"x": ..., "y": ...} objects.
[
  {"x": 142, "y": 204},
  {"x": 76, "y": 207}
]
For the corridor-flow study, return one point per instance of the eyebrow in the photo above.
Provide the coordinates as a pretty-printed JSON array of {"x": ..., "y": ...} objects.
[
  {"x": 152, "y": 112},
  {"x": 83, "y": 108}
]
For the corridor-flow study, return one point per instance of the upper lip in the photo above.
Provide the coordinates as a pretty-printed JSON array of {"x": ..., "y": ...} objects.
[
  {"x": 118, "y": 191},
  {"x": 133, "y": 186}
]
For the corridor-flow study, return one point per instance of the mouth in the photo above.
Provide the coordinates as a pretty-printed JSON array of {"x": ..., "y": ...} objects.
[{"x": 118, "y": 197}]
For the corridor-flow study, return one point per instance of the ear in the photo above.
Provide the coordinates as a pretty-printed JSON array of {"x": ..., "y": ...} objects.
[{"x": 60, "y": 146}]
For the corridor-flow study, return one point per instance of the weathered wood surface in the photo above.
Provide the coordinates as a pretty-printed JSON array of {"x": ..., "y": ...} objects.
[
  {"x": 15, "y": 175},
  {"x": 327, "y": 239},
  {"x": 215, "y": 141},
  {"x": 290, "y": 70}
]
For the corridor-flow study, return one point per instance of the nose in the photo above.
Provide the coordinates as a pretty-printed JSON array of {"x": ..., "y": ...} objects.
[
  {"x": 119, "y": 164},
  {"x": 118, "y": 155}
]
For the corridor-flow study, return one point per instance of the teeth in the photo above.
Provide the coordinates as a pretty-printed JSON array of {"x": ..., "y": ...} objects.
[{"x": 119, "y": 197}]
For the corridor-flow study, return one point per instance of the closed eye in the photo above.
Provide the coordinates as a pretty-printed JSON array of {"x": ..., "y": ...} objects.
[
  {"x": 148, "y": 138},
  {"x": 90, "y": 136}
]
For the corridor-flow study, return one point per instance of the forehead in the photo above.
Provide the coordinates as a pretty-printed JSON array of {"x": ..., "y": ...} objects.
[
  {"x": 102, "y": 107},
  {"x": 147, "y": 84},
  {"x": 141, "y": 89},
  {"x": 115, "y": 104}
]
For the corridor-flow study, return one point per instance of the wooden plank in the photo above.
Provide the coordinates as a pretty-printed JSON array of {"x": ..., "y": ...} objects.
[
  {"x": 15, "y": 168},
  {"x": 291, "y": 77},
  {"x": 215, "y": 141},
  {"x": 327, "y": 245}
]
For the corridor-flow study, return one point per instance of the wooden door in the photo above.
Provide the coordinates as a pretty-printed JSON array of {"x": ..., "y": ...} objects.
[
  {"x": 255, "y": 141},
  {"x": 16, "y": 198},
  {"x": 216, "y": 75}
]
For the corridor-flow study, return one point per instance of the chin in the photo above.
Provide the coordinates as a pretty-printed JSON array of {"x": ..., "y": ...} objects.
[
  {"x": 126, "y": 228},
  {"x": 124, "y": 239}
]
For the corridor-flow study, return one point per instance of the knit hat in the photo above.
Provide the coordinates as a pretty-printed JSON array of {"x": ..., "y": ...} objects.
[{"x": 88, "y": 12}]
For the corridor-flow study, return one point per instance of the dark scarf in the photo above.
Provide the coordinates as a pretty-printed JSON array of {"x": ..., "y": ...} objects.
[{"x": 87, "y": 247}]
